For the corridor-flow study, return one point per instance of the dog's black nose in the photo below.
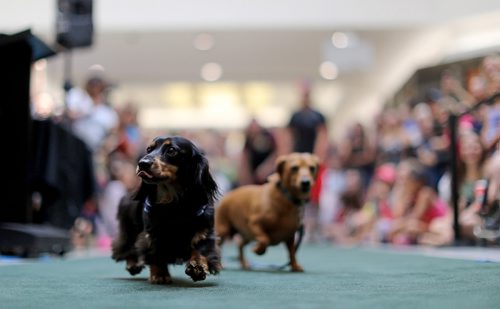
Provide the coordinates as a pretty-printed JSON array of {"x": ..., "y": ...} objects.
[
  {"x": 145, "y": 163},
  {"x": 305, "y": 184}
]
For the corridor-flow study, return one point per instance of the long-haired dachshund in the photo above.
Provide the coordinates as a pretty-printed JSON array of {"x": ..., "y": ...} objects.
[
  {"x": 270, "y": 213},
  {"x": 170, "y": 219}
]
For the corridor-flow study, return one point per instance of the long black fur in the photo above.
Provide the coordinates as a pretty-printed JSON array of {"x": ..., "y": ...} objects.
[{"x": 162, "y": 234}]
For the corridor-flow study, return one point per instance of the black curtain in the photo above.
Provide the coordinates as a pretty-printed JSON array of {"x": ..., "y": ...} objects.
[
  {"x": 15, "y": 126},
  {"x": 61, "y": 172}
]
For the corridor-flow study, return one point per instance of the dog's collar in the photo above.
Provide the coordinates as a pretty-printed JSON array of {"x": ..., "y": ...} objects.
[
  {"x": 148, "y": 206},
  {"x": 296, "y": 201},
  {"x": 202, "y": 210}
]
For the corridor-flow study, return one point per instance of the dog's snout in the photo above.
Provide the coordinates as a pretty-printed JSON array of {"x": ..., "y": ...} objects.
[
  {"x": 145, "y": 163},
  {"x": 305, "y": 184}
]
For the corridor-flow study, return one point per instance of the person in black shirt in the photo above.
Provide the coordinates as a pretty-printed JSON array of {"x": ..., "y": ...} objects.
[
  {"x": 307, "y": 132},
  {"x": 307, "y": 128}
]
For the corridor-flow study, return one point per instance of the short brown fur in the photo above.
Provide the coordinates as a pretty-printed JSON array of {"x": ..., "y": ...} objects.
[{"x": 270, "y": 213}]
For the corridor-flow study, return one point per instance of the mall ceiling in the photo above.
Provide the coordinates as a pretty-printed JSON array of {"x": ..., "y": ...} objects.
[
  {"x": 280, "y": 40},
  {"x": 147, "y": 44}
]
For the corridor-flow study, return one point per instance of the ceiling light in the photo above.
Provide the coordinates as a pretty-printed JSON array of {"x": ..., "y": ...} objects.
[
  {"x": 340, "y": 40},
  {"x": 211, "y": 71},
  {"x": 328, "y": 70},
  {"x": 204, "y": 41}
]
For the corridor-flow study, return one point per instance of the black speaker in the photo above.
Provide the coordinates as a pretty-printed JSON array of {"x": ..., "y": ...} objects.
[
  {"x": 18, "y": 234},
  {"x": 74, "y": 23},
  {"x": 16, "y": 55}
]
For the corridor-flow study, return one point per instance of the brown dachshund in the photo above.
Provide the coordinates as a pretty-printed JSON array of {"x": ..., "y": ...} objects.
[{"x": 270, "y": 213}]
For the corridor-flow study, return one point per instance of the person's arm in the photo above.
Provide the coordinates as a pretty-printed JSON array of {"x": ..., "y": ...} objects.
[
  {"x": 321, "y": 144},
  {"x": 425, "y": 199},
  {"x": 244, "y": 173}
]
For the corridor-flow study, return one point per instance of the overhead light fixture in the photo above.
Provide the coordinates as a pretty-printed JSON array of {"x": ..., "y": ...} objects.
[
  {"x": 211, "y": 72},
  {"x": 328, "y": 70},
  {"x": 204, "y": 41},
  {"x": 340, "y": 40}
]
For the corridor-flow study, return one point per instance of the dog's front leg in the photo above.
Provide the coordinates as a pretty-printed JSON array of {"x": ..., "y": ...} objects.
[
  {"x": 290, "y": 245},
  {"x": 159, "y": 274},
  {"x": 197, "y": 266},
  {"x": 260, "y": 236},
  {"x": 135, "y": 265},
  {"x": 241, "y": 254}
]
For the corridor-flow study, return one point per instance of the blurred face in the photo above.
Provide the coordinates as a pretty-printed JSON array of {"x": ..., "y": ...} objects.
[
  {"x": 477, "y": 86},
  {"x": 406, "y": 178},
  {"x": 253, "y": 127},
  {"x": 391, "y": 119},
  {"x": 381, "y": 189},
  {"x": 353, "y": 180},
  {"x": 306, "y": 99},
  {"x": 471, "y": 149},
  {"x": 403, "y": 172}
]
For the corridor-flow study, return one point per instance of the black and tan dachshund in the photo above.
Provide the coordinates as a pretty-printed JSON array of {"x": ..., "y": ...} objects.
[{"x": 170, "y": 218}]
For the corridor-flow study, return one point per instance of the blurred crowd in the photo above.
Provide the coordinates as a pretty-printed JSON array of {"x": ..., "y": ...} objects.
[
  {"x": 394, "y": 184},
  {"x": 388, "y": 181}
]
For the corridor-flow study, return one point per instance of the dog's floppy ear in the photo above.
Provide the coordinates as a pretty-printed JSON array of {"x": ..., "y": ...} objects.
[
  {"x": 203, "y": 178},
  {"x": 280, "y": 164}
]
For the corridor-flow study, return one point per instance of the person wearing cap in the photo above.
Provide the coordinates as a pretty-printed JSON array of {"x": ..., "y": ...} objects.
[
  {"x": 377, "y": 209},
  {"x": 93, "y": 119}
]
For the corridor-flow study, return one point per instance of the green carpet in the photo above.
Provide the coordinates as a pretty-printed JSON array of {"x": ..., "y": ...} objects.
[{"x": 334, "y": 278}]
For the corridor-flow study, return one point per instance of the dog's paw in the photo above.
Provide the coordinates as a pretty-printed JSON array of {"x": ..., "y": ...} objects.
[
  {"x": 160, "y": 279},
  {"x": 134, "y": 267},
  {"x": 245, "y": 265},
  {"x": 297, "y": 268},
  {"x": 259, "y": 248},
  {"x": 215, "y": 268},
  {"x": 196, "y": 270}
]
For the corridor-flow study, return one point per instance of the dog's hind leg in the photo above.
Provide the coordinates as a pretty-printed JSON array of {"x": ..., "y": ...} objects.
[
  {"x": 261, "y": 238},
  {"x": 159, "y": 274},
  {"x": 292, "y": 250}
]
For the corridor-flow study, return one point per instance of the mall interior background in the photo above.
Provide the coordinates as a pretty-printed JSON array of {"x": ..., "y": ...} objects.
[{"x": 217, "y": 64}]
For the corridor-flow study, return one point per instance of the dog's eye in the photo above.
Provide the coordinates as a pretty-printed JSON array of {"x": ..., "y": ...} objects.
[
  {"x": 312, "y": 169},
  {"x": 171, "y": 152},
  {"x": 294, "y": 169},
  {"x": 149, "y": 149}
]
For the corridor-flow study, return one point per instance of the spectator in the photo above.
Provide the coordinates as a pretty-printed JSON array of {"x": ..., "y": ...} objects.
[
  {"x": 130, "y": 140},
  {"x": 122, "y": 180},
  {"x": 307, "y": 132},
  {"x": 490, "y": 133},
  {"x": 357, "y": 151},
  {"x": 433, "y": 149},
  {"x": 377, "y": 209},
  {"x": 307, "y": 127},
  {"x": 490, "y": 209},
  {"x": 349, "y": 223},
  {"x": 92, "y": 117},
  {"x": 420, "y": 216},
  {"x": 333, "y": 184},
  {"x": 95, "y": 122},
  {"x": 393, "y": 143},
  {"x": 258, "y": 155}
]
